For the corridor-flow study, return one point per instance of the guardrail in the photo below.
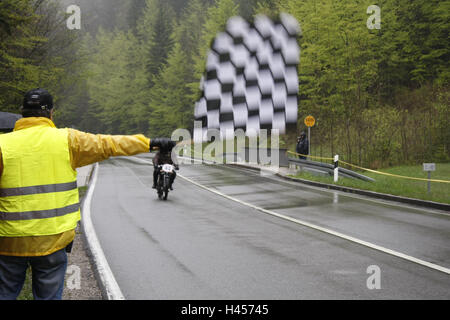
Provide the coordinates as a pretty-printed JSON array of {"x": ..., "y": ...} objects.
[
  {"x": 284, "y": 161},
  {"x": 328, "y": 168}
]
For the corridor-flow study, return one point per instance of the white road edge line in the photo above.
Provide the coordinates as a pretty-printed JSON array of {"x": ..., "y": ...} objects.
[
  {"x": 329, "y": 231},
  {"x": 110, "y": 285}
]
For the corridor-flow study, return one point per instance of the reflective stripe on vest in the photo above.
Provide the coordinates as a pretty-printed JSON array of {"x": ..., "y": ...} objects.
[
  {"x": 38, "y": 189},
  {"x": 42, "y": 214}
]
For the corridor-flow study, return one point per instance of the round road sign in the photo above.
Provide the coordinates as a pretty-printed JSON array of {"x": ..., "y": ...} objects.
[{"x": 310, "y": 121}]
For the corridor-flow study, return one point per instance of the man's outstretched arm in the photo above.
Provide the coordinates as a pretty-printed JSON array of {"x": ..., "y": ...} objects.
[{"x": 86, "y": 148}]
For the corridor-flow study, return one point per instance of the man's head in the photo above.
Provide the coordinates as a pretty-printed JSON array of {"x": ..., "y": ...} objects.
[
  {"x": 37, "y": 103},
  {"x": 302, "y": 135}
]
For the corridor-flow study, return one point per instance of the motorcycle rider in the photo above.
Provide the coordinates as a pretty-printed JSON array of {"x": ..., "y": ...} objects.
[{"x": 164, "y": 156}]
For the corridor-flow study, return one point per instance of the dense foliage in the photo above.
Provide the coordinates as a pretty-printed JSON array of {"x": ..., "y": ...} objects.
[{"x": 380, "y": 96}]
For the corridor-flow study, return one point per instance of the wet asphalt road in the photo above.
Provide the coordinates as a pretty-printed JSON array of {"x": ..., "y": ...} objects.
[{"x": 199, "y": 245}]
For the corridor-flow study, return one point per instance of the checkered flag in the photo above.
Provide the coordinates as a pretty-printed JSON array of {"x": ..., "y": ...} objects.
[{"x": 251, "y": 79}]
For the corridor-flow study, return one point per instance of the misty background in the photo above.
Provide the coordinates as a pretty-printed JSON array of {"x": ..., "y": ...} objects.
[{"x": 380, "y": 97}]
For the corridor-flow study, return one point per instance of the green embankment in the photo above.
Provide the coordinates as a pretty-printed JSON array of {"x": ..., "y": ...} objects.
[{"x": 440, "y": 192}]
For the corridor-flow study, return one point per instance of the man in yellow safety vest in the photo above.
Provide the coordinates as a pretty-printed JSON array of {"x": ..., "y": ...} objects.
[{"x": 39, "y": 205}]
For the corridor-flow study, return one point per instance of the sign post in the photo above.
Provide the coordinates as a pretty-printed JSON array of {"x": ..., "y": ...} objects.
[
  {"x": 429, "y": 167},
  {"x": 310, "y": 121}
]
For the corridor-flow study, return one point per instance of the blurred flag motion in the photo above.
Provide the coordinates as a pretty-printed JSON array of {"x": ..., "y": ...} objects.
[{"x": 251, "y": 79}]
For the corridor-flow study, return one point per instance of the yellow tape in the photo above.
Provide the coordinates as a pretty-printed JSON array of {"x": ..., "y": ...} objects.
[
  {"x": 309, "y": 156},
  {"x": 370, "y": 170},
  {"x": 394, "y": 175}
]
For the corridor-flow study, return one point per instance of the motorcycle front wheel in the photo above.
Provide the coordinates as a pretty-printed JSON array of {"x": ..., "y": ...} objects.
[
  {"x": 160, "y": 187},
  {"x": 166, "y": 187}
]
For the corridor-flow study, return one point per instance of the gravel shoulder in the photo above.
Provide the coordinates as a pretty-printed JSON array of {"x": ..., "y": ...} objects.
[{"x": 81, "y": 283}]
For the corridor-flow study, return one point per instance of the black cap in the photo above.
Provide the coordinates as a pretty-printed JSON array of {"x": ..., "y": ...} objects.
[{"x": 38, "y": 99}]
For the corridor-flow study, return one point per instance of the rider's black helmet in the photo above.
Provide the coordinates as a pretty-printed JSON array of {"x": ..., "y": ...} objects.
[
  {"x": 164, "y": 144},
  {"x": 168, "y": 145}
]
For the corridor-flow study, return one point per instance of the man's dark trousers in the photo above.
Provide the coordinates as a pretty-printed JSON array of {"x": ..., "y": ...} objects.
[{"x": 48, "y": 274}]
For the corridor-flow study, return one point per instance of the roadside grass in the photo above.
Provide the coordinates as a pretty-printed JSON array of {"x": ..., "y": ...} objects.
[
  {"x": 27, "y": 293},
  {"x": 440, "y": 192}
]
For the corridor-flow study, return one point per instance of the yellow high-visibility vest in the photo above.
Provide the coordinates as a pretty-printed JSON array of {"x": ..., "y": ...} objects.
[{"x": 38, "y": 187}]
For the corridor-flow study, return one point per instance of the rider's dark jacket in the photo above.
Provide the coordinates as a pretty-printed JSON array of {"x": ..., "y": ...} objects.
[{"x": 163, "y": 158}]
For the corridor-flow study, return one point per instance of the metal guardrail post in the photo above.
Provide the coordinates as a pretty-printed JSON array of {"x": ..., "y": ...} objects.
[{"x": 336, "y": 168}]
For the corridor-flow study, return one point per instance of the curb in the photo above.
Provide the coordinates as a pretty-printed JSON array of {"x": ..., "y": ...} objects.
[
  {"x": 86, "y": 245},
  {"x": 105, "y": 279},
  {"x": 373, "y": 194}
]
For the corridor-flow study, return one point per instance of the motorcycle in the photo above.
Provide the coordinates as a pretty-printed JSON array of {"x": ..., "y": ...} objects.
[{"x": 163, "y": 183}]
